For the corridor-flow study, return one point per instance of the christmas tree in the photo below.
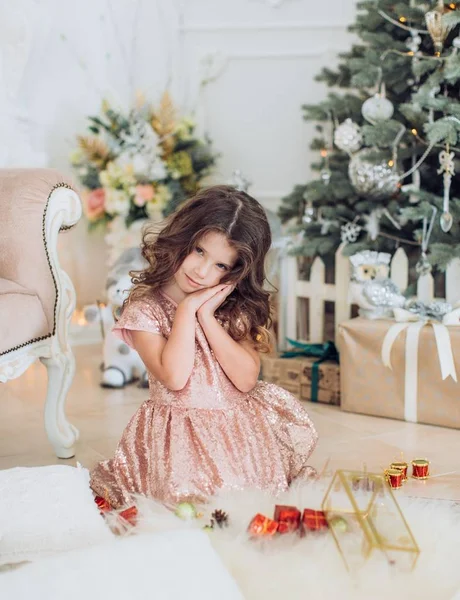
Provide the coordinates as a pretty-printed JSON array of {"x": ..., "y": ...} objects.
[{"x": 389, "y": 145}]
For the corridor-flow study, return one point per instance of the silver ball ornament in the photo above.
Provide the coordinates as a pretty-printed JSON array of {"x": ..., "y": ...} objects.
[
  {"x": 377, "y": 108},
  {"x": 373, "y": 175},
  {"x": 348, "y": 136}
]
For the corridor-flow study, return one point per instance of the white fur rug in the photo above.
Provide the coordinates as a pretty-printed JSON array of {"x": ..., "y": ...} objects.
[{"x": 293, "y": 568}]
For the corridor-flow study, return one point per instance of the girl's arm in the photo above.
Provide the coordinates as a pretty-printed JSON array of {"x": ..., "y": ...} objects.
[
  {"x": 171, "y": 361},
  {"x": 239, "y": 360}
]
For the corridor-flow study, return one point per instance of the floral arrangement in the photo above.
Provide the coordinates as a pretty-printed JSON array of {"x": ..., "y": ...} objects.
[{"x": 140, "y": 166}]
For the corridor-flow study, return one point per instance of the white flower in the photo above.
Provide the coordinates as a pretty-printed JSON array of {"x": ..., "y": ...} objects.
[
  {"x": 116, "y": 202},
  {"x": 123, "y": 161},
  {"x": 104, "y": 178},
  {"x": 113, "y": 144},
  {"x": 154, "y": 211},
  {"x": 163, "y": 195},
  {"x": 157, "y": 170},
  {"x": 145, "y": 165},
  {"x": 140, "y": 165},
  {"x": 184, "y": 128},
  {"x": 118, "y": 174},
  {"x": 141, "y": 137}
]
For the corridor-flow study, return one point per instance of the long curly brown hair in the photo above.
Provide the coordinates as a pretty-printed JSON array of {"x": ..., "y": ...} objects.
[{"x": 243, "y": 221}]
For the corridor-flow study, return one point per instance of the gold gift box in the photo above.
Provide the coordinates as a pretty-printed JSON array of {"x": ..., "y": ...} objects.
[
  {"x": 363, "y": 516},
  {"x": 294, "y": 375},
  {"x": 370, "y": 388}
]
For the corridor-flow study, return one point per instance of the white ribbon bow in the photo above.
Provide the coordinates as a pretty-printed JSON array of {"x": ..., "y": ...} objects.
[{"x": 414, "y": 323}]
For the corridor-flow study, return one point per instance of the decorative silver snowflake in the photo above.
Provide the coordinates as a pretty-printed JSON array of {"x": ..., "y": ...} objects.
[{"x": 350, "y": 232}]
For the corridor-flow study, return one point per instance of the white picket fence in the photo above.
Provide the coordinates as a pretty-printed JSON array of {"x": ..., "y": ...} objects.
[{"x": 293, "y": 289}]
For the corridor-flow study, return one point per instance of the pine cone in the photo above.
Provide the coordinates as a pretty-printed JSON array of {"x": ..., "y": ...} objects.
[{"x": 220, "y": 517}]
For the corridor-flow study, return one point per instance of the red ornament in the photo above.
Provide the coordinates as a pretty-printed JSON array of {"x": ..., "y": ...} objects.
[
  {"x": 314, "y": 520},
  {"x": 420, "y": 468},
  {"x": 129, "y": 515},
  {"x": 262, "y": 526},
  {"x": 288, "y": 518},
  {"x": 102, "y": 504},
  {"x": 395, "y": 478}
]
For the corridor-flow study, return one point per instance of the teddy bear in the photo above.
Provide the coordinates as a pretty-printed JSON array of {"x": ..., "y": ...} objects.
[{"x": 121, "y": 364}]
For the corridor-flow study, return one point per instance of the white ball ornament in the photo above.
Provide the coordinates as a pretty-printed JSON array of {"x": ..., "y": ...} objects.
[
  {"x": 377, "y": 108},
  {"x": 348, "y": 136}
]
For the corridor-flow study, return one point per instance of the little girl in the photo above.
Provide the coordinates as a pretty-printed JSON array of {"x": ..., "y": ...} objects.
[{"x": 198, "y": 316}]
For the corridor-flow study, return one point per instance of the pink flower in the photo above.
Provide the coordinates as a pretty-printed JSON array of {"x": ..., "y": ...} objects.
[
  {"x": 95, "y": 203},
  {"x": 144, "y": 193}
]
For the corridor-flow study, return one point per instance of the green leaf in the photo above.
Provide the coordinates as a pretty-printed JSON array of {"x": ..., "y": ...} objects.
[
  {"x": 451, "y": 19},
  {"x": 423, "y": 67},
  {"x": 446, "y": 130},
  {"x": 452, "y": 68},
  {"x": 414, "y": 114},
  {"x": 381, "y": 134},
  {"x": 442, "y": 254},
  {"x": 453, "y": 108}
]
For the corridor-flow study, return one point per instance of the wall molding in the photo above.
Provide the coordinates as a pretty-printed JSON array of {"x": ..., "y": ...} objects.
[
  {"x": 295, "y": 55},
  {"x": 286, "y": 26},
  {"x": 215, "y": 64},
  {"x": 272, "y": 3}
]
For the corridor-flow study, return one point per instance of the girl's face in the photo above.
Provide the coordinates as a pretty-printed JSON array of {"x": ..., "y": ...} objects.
[{"x": 210, "y": 260}]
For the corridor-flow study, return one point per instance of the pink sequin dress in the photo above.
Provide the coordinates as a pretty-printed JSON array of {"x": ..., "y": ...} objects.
[{"x": 185, "y": 445}]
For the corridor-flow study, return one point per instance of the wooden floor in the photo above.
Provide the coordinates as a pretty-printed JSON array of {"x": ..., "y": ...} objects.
[{"x": 346, "y": 440}]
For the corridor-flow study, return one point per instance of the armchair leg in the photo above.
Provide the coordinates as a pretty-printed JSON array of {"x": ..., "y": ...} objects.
[{"x": 62, "y": 434}]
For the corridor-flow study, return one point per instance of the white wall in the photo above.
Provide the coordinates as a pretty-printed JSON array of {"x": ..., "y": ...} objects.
[{"x": 60, "y": 57}]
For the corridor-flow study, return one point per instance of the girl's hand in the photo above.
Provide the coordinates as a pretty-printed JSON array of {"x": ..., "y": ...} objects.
[
  {"x": 208, "y": 308},
  {"x": 195, "y": 300}
]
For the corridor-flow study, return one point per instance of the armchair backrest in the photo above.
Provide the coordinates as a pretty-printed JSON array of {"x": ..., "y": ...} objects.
[{"x": 24, "y": 196}]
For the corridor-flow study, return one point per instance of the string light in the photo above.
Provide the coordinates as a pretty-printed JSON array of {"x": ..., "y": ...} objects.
[
  {"x": 391, "y": 163},
  {"x": 414, "y": 131},
  {"x": 452, "y": 6},
  {"x": 323, "y": 153},
  {"x": 402, "y": 19}
]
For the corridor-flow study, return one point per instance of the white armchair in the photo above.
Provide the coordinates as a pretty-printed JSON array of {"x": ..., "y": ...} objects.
[{"x": 37, "y": 297}]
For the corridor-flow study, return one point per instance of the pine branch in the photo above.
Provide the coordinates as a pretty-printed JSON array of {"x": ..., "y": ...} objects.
[{"x": 424, "y": 92}]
